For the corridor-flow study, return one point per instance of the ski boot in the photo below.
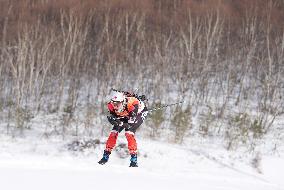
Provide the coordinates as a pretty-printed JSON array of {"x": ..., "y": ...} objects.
[
  {"x": 104, "y": 158},
  {"x": 133, "y": 160}
]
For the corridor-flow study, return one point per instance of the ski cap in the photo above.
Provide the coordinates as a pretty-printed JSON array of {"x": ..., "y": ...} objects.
[{"x": 117, "y": 96}]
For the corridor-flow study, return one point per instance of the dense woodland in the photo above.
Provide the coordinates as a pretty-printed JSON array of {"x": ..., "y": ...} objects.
[{"x": 224, "y": 58}]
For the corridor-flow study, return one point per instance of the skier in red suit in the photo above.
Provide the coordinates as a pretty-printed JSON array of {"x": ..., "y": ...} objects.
[{"x": 128, "y": 113}]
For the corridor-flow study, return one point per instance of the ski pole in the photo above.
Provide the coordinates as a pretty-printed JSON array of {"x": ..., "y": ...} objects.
[
  {"x": 145, "y": 113},
  {"x": 158, "y": 108}
]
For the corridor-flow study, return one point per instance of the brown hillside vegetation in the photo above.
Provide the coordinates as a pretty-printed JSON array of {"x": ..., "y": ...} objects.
[{"x": 164, "y": 13}]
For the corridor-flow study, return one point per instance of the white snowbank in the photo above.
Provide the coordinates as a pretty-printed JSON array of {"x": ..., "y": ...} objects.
[{"x": 46, "y": 165}]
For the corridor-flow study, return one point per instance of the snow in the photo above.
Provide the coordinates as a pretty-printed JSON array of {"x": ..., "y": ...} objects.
[
  {"x": 273, "y": 169},
  {"x": 46, "y": 164}
]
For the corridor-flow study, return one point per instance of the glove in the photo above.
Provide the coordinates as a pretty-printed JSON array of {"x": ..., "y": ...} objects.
[
  {"x": 114, "y": 121},
  {"x": 142, "y": 98},
  {"x": 132, "y": 120}
]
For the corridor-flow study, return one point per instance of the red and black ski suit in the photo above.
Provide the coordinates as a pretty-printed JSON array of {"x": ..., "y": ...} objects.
[{"x": 130, "y": 119}]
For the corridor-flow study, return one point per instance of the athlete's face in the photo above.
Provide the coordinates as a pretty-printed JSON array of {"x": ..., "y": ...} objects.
[{"x": 116, "y": 105}]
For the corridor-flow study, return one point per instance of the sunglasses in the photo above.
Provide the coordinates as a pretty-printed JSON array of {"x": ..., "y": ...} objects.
[{"x": 116, "y": 103}]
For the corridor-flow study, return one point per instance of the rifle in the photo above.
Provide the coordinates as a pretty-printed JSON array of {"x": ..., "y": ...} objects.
[
  {"x": 143, "y": 97},
  {"x": 131, "y": 94}
]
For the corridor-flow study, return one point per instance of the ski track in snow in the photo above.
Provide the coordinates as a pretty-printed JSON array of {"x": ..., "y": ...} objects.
[{"x": 222, "y": 164}]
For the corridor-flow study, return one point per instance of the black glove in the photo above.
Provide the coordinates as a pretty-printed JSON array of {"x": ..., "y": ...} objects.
[
  {"x": 142, "y": 98},
  {"x": 114, "y": 121}
]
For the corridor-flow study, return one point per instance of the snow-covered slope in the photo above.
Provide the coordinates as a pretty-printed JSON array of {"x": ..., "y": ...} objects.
[{"x": 46, "y": 165}]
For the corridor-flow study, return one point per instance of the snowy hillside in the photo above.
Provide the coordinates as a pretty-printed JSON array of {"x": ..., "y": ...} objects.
[{"x": 46, "y": 165}]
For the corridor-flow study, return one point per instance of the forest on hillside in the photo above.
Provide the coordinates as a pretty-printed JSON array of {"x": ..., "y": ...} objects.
[{"x": 224, "y": 58}]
